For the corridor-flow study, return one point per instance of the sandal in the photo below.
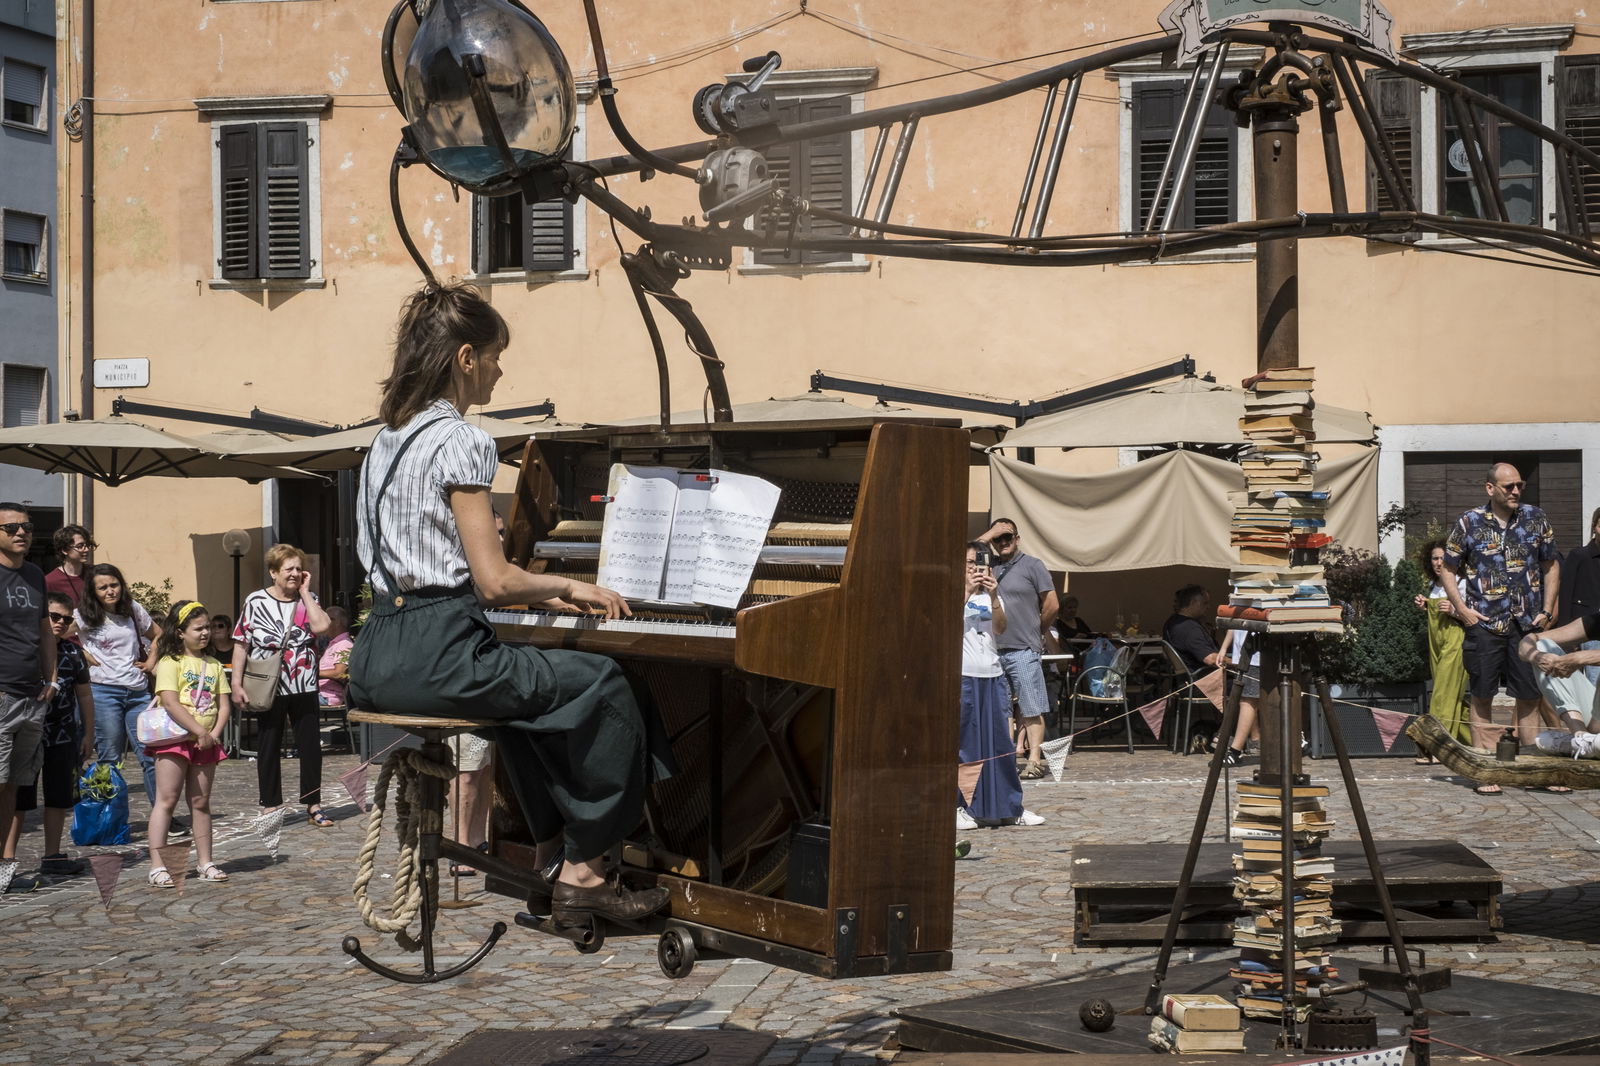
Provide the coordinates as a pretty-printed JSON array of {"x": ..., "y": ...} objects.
[
  {"x": 1033, "y": 771},
  {"x": 319, "y": 819},
  {"x": 1487, "y": 790},
  {"x": 211, "y": 872},
  {"x": 1558, "y": 790},
  {"x": 159, "y": 878},
  {"x": 462, "y": 870}
]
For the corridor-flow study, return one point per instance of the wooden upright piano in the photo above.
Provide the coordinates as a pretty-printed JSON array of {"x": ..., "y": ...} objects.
[{"x": 811, "y": 823}]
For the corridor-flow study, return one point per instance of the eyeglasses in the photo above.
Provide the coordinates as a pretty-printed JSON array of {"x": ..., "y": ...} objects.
[
  {"x": 11, "y": 529},
  {"x": 62, "y": 618},
  {"x": 1003, "y": 538},
  {"x": 88, "y": 547},
  {"x": 1514, "y": 486}
]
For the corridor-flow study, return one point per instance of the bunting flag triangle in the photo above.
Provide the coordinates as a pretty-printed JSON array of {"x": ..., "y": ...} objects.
[
  {"x": 269, "y": 827},
  {"x": 1055, "y": 754},
  {"x": 1394, "y": 1056},
  {"x": 967, "y": 780},
  {"x": 1389, "y": 724},
  {"x": 8, "y": 870},
  {"x": 1210, "y": 686},
  {"x": 107, "y": 872},
  {"x": 175, "y": 857},
  {"x": 1154, "y": 714},
  {"x": 355, "y": 783}
]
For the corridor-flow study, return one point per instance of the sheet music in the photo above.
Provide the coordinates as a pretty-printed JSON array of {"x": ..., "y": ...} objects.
[
  {"x": 638, "y": 524},
  {"x": 739, "y": 509},
  {"x": 683, "y": 549}
]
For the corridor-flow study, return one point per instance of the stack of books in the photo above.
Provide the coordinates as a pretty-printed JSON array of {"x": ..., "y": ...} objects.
[
  {"x": 1261, "y": 886},
  {"x": 1279, "y": 518},
  {"x": 1196, "y": 1023}
]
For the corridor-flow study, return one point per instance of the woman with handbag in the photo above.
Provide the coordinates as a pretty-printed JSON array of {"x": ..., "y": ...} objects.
[
  {"x": 574, "y": 743},
  {"x": 182, "y": 731},
  {"x": 119, "y": 637},
  {"x": 275, "y": 673}
]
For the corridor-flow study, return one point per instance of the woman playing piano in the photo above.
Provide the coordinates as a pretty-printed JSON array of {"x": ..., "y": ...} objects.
[{"x": 574, "y": 742}]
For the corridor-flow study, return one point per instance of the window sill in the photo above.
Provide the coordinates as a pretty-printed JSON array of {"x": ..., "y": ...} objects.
[
  {"x": 753, "y": 270},
  {"x": 528, "y": 277},
  {"x": 1230, "y": 255},
  {"x": 31, "y": 279},
  {"x": 266, "y": 284},
  {"x": 14, "y": 124}
]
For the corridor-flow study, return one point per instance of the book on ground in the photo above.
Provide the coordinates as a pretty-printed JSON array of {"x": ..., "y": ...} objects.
[
  {"x": 1200, "y": 1012},
  {"x": 1167, "y": 1036}
]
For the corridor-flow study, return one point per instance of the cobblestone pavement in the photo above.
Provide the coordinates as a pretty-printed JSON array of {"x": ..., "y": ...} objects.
[{"x": 250, "y": 972}]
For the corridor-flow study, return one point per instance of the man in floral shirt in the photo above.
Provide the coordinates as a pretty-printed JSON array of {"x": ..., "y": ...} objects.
[{"x": 1506, "y": 550}]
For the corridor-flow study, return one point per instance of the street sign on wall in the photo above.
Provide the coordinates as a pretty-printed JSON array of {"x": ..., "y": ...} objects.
[
  {"x": 121, "y": 373},
  {"x": 1198, "y": 21}
]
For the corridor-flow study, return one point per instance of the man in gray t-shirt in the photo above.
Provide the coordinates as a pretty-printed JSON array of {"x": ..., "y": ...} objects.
[
  {"x": 1031, "y": 609},
  {"x": 27, "y": 667}
]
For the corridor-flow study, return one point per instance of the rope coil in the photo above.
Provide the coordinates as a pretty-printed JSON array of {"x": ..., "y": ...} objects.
[{"x": 407, "y": 766}]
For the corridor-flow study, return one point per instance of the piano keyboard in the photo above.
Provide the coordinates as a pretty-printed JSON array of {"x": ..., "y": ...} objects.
[
  {"x": 783, "y": 554},
  {"x": 686, "y": 627}
]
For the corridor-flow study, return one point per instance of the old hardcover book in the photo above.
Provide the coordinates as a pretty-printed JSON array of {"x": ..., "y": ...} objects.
[{"x": 1168, "y": 1036}]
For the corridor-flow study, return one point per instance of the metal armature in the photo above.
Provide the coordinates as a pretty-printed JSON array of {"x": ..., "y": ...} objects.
[{"x": 1326, "y": 74}]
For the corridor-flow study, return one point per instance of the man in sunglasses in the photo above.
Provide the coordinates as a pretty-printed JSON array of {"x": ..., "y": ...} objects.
[
  {"x": 27, "y": 666},
  {"x": 1031, "y": 609},
  {"x": 1506, "y": 550}
]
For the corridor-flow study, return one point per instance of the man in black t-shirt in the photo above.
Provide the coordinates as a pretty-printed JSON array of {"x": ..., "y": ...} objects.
[
  {"x": 1189, "y": 636},
  {"x": 27, "y": 666}
]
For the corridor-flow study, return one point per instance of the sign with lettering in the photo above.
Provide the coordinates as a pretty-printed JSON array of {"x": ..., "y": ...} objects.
[
  {"x": 121, "y": 373},
  {"x": 1199, "y": 21}
]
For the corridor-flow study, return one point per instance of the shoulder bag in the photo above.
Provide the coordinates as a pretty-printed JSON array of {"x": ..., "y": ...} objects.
[{"x": 154, "y": 727}]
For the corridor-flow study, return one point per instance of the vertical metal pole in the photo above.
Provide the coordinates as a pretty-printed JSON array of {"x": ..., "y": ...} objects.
[
  {"x": 1033, "y": 160},
  {"x": 1276, "y": 133},
  {"x": 1052, "y": 166}
]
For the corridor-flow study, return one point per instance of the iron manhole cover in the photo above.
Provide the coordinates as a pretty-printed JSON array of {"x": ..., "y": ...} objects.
[{"x": 608, "y": 1047}]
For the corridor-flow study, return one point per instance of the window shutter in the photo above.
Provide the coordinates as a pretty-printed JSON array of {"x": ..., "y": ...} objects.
[
  {"x": 24, "y": 244},
  {"x": 1397, "y": 111},
  {"x": 285, "y": 204},
  {"x": 784, "y": 173},
  {"x": 1207, "y": 198},
  {"x": 24, "y": 395},
  {"x": 817, "y": 170},
  {"x": 239, "y": 201},
  {"x": 481, "y": 236},
  {"x": 24, "y": 84},
  {"x": 547, "y": 236},
  {"x": 1578, "y": 116}
]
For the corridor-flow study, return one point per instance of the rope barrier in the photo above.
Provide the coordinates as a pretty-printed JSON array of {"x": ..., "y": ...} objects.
[{"x": 407, "y": 767}]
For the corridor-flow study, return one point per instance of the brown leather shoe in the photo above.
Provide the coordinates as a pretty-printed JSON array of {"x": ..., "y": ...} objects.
[{"x": 574, "y": 906}]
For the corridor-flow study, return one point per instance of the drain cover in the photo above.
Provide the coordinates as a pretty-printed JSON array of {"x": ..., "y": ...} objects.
[{"x": 608, "y": 1047}]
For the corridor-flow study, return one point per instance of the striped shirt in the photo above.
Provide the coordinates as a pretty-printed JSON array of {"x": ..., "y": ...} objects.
[{"x": 421, "y": 546}]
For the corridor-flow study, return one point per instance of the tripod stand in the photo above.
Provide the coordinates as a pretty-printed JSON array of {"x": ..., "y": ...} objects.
[{"x": 1293, "y": 658}]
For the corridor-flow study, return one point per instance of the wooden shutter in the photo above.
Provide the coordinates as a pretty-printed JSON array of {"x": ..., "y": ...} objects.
[
  {"x": 1207, "y": 198},
  {"x": 284, "y": 203},
  {"x": 547, "y": 236},
  {"x": 1578, "y": 116},
  {"x": 1397, "y": 111},
  {"x": 817, "y": 170},
  {"x": 24, "y": 395},
  {"x": 238, "y": 201}
]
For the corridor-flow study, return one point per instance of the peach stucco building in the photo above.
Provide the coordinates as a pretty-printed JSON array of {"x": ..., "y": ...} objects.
[{"x": 1459, "y": 359}]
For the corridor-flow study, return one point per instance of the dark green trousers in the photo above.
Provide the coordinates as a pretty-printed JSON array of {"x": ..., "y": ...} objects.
[{"x": 574, "y": 742}]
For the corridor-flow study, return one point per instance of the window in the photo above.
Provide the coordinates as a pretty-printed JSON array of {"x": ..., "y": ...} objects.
[
  {"x": 821, "y": 170},
  {"x": 265, "y": 215},
  {"x": 512, "y": 236},
  {"x": 1207, "y": 198},
  {"x": 23, "y": 94},
  {"x": 267, "y": 227},
  {"x": 25, "y": 256},
  {"x": 24, "y": 395},
  {"x": 1515, "y": 65}
]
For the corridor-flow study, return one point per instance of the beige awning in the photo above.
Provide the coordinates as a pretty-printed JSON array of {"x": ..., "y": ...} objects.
[
  {"x": 1171, "y": 510},
  {"x": 1189, "y": 411},
  {"x": 115, "y": 450},
  {"x": 821, "y": 407},
  {"x": 345, "y": 449}
]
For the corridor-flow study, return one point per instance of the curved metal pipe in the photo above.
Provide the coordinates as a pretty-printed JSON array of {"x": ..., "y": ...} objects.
[
  {"x": 608, "y": 104},
  {"x": 399, "y": 215}
]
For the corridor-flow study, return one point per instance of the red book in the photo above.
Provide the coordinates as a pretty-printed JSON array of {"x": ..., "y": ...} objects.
[
  {"x": 1239, "y": 610},
  {"x": 1310, "y": 540}
]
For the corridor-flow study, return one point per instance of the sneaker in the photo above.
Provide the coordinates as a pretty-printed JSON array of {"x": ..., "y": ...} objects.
[
  {"x": 177, "y": 829},
  {"x": 60, "y": 865},
  {"x": 965, "y": 821},
  {"x": 1554, "y": 742},
  {"x": 20, "y": 884},
  {"x": 963, "y": 848},
  {"x": 1027, "y": 817},
  {"x": 1585, "y": 745},
  {"x": 1231, "y": 757}
]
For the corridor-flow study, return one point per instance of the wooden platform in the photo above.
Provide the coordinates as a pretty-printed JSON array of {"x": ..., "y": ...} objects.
[
  {"x": 1441, "y": 891},
  {"x": 1493, "y": 1017}
]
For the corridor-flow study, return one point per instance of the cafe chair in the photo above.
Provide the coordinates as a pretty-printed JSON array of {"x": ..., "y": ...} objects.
[
  {"x": 1183, "y": 701},
  {"x": 1113, "y": 692}
]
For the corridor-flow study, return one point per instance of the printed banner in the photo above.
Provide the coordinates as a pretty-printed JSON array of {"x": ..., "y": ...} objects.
[
  {"x": 269, "y": 827},
  {"x": 1055, "y": 754},
  {"x": 175, "y": 857},
  {"x": 967, "y": 780},
  {"x": 1154, "y": 714}
]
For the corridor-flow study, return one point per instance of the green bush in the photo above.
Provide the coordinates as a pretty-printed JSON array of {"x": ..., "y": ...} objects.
[
  {"x": 1386, "y": 637},
  {"x": 158, "y": 601}
]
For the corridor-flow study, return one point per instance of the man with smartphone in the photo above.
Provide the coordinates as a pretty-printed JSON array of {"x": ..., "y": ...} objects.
[{"x": 1031, "y": 608}]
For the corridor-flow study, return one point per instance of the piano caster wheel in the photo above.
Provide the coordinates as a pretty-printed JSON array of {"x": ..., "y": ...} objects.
[{"x": 675, "y": 953}]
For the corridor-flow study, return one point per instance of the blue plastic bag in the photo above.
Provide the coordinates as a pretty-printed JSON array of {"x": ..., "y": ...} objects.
[
  {"x": 1101, "y": 653},
  {"x": 101, "y": 814}
]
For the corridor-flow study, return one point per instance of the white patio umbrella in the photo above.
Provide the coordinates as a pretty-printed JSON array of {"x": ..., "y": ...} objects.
[
  {"x": 344, "y": 450},
  {"x": 115, "y": 450},
  {"x": 1189, "y": 411}
]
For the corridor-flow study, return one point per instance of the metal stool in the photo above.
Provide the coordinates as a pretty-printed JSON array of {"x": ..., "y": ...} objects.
[{"x": 432, "y": 845}]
